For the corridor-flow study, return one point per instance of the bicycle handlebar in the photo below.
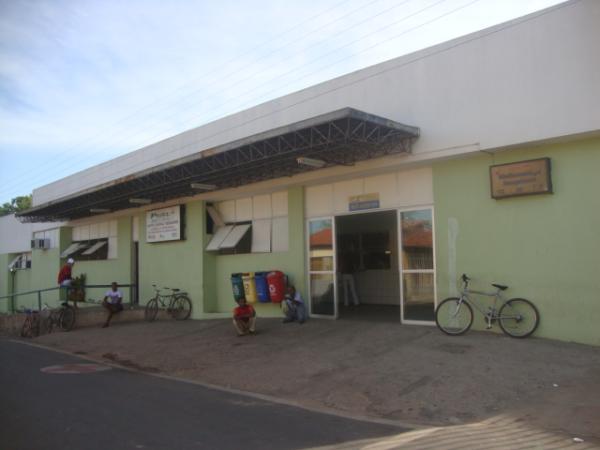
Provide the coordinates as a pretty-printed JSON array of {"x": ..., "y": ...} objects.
[{"x": 465, "y": 279}]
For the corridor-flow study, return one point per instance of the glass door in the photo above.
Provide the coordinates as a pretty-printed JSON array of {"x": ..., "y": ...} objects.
[
  {"x": 322, "y": 287},
  {"x": 417, "y": 271}
]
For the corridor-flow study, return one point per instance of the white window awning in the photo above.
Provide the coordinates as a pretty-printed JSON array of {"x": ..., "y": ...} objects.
[
  {"x": 235, "y": 236},
  {"x": 72, "y": 249},
  {"x": 94, "y": 248},
  {"x": 15, "y": 262},
  {"x": 218, "y": 238}
]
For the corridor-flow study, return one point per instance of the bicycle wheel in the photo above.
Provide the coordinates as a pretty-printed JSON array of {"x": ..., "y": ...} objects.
[
  {"x": 518, "y": 317},
  {"x": 35, "y": 326},
  {"x": 48, "y": 324},
  {"x": 26, "y": 329},
  {"x": 151, "y": 310},
  {"x": 454, "y": 317},
  {"x": 66, "y": 320},
  {"x": 181, "y": 308}
]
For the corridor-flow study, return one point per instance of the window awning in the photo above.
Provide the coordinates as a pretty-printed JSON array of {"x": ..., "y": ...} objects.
[
  {"x": 341, "y": 137},
  {"x": 235, "y": 236},
  {"x": 74, "y": 247},
  {"x": 218, "y": 238},
  {"x": 14, "y": 262},
  {"x": 94, "y": 248}
]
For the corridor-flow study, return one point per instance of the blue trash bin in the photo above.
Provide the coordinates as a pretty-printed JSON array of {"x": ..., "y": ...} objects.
[{"x": 262, "y": 287}]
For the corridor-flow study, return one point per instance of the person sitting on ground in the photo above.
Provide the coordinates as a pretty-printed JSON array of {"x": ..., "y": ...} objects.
[
  {"x": 244, "y": 318},
  {"x": 294, "y": 306},
  {"x": 112, "y": 302},
  {"x": 65, "y": 275}
]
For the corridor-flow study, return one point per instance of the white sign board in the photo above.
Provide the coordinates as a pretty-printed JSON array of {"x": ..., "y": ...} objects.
[{"x": 163, "y": 224}]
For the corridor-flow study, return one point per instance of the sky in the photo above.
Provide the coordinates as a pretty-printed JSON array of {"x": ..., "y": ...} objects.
[{"x": 84, "y": 81}]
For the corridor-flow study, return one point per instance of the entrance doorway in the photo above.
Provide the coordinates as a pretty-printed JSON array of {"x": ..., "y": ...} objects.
[
  {"x": 368, "y": 266},
  {"x": 373, "y": 266}
]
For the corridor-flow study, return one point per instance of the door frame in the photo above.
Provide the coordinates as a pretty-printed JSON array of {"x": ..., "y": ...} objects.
[
  {"x": 401, "y": 270},
  {"x": 322, "y": 272}
]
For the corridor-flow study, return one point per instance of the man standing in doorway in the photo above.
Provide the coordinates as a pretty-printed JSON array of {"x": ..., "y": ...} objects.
[{"x": 347, "y": 269}]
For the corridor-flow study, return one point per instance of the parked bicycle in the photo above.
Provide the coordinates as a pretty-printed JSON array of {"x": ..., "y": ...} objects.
[
  {"x": 517, "y": 317},
  {"x": 31, "y": 325},
  {"x": 62, "y": 317},
  {"x": 176, "y": 302}
]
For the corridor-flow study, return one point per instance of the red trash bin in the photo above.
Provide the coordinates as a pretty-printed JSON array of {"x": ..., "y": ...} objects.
[{"x": 276, "y": 281}]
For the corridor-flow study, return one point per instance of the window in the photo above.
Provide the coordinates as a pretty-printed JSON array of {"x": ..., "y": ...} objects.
[
  {"x": 231, "y": 239},
  {"x": 73, "y": 248},
  {"x": 257, "y": 224},
  {"x": 261, "y": 236},
  {"x": 92, "y": 242},
  {"x": 94, "y": 248},
  {"x": 50, "y": 235},
  {"x": 22, "y": 261},
  {"x": 219, "y": 237}
]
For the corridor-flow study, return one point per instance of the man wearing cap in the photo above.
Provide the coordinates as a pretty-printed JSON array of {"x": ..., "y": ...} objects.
[{"x": 64, "y": 276}]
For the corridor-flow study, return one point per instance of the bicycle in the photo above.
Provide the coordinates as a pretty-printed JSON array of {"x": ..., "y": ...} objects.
[
  {"x": 517, "y": 317},
  {"x": 63, "y": 317},
  {"x": 31, "y": 325},
  {"x": 179, "y": 304}
]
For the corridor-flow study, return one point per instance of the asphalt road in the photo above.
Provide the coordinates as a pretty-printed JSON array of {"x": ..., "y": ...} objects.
[{"x": 118, "y": 409}]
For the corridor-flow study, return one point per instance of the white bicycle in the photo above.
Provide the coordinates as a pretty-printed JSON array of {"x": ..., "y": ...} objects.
[{"x": 517, "y": 317}]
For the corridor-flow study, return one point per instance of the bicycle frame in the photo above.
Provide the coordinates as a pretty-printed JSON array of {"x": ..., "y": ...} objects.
[
  {"x": 492, "y": 313},
  {"x": 162, "y": 299}
]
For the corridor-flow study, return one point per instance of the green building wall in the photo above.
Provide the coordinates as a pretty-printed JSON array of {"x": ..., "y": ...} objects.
[
  {"x": 41, "y": 275},
  {"x": 206, "y": 276},
  {"x": 545, "y": 247},
  {"x": 290, "y": 262},
  {"x": 176, "y": 264},
  {"x": 6, "y": 283},
  {"x": 103, "y": 272}
]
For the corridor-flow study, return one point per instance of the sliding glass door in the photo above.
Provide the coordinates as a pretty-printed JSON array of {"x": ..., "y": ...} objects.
[
  {"x": 417, "y": 271},
  {"x": 321, "y": 268}
]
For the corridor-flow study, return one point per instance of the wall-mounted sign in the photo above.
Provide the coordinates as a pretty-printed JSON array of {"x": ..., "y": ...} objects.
[
  {"x": 164, "y": 224},
  {"x": 364, "y": 201},
  {"x": 521, "y": 178}
]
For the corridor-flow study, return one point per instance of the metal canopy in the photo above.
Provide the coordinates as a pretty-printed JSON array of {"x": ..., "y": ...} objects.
[{"x": 341, "y": 137}]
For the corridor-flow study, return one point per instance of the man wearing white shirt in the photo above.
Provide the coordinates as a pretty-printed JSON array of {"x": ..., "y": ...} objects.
[{"x": 112, "y": 302}]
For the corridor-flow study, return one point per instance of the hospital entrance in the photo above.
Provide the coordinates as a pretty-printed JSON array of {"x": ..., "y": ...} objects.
[{"x": 373, "y": 266}]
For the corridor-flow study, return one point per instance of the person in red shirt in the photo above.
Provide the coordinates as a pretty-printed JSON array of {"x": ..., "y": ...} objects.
[
  {"x": 244, "y": 318},
  {"x": 64, "y": 276}
]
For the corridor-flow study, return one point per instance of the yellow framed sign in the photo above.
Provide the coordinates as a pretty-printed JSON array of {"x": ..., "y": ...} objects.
[{"x": 521, "y": 178}]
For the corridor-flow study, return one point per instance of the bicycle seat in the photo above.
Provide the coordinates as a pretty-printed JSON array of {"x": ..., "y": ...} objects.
[
  {"x": 500, "y": 286},
  {"x": 175, "y": 290}
]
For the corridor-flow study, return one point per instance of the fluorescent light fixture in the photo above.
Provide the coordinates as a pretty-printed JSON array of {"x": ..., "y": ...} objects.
[
  {"x": 99, "y": 210},
  {"x": 317, "y": 163},
  {"x": 140, "y": 201},
  {"x": 203, "y": 187}
]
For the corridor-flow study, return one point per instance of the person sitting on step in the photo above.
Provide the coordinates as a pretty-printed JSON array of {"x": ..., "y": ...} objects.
[
  {"x": 244, "y": 317},
  {"x": 112, "y": 302},
  {"x": 294, "y": 306}
]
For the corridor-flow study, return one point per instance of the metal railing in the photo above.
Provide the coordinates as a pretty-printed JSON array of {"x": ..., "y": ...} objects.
[{"x": 12, "y": 303}]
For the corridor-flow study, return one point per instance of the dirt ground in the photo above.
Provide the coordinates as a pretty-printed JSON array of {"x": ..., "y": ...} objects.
[{"x": 389, "y": 371}]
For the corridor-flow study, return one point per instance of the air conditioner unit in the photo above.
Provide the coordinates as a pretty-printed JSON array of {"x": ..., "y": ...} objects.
[{"x": 40, "y": 243}]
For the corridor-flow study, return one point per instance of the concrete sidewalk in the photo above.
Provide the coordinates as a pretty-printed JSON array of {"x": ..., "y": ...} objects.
[{"x": 409, "y": 374}]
